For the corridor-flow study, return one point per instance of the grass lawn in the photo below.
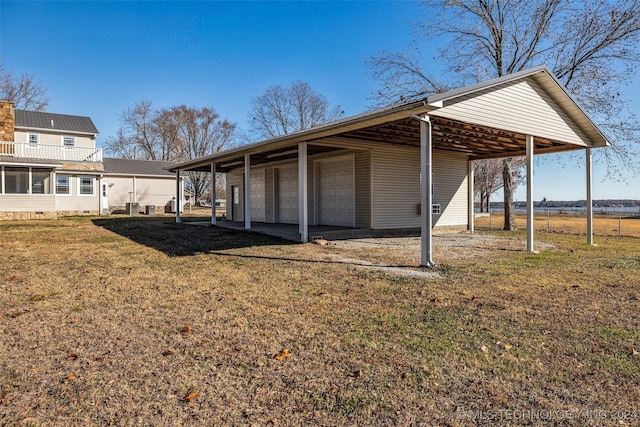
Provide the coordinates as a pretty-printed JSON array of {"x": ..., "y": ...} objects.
[{"x": 121, "y": 321}]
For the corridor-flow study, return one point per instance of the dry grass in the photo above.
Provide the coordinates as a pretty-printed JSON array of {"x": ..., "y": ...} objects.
[
  {"x": 603, "y": 225},
  {"x": 142, "y": 321}
]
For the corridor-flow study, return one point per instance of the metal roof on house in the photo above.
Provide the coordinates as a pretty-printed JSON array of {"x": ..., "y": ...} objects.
[
  {"x": 53, "y": 121},
  {"x": 113, "y": 166}
]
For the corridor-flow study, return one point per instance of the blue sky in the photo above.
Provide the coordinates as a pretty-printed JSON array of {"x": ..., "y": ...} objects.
[{"x": 98, "y": 58}]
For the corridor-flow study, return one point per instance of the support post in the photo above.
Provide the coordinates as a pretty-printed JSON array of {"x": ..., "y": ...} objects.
[
  {"x": 426, "y": 201},
  {"x": 178, "y": 197},
  {"x": 470, "y": 202},
  {"x": 303, "y": 214},
  {"x": 213, "y": 193},
  {"x": 589, "y": 197},
  {"x": 135, "y": 190},
  {"x": 247, "y": 192},
  {"x": 530, "y": 193}
]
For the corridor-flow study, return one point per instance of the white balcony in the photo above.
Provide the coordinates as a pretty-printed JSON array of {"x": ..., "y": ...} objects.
[{"x": 50, "y": 152}]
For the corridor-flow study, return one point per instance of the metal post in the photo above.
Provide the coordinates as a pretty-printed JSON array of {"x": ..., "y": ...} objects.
[
  {"x": 247, "y": 192},
  {"x": 426, "y": 201},
  {"x": 470, "y": 190},
  {"x": 530, "y": 193},
  {"x": 213, "y": 193},
  {"x": 178, "y": 196},
  {"x": 589, "y": 198},
  {"x": 303, "y": 214}
]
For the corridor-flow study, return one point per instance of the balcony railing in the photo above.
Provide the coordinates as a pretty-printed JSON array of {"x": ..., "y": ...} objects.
[{"x": 50, "y": 152}]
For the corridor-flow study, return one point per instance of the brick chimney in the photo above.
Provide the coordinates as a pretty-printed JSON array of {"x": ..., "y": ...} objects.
[{"x": 7, "y": 121}]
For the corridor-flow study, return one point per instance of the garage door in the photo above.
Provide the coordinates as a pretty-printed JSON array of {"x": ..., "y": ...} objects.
[
  {"x": 257, "y": 195},
  {"x": 287, "y": 195},
  {"x": 336, "y": 191}
]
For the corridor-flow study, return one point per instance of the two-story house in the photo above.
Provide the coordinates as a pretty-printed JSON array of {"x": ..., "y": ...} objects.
[{"x": 50, "y": 166}]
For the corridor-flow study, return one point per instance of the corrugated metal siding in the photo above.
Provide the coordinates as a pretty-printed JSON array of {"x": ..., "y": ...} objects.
[
  {"x": 450, "y": 188},
  {"x": 149, "y": 191},
  {"x": 27, "y": 202},
  {"x": 395, "y": 187},
  {"x": 363, "y": 189},
  {"x": 510, "y": 106}
]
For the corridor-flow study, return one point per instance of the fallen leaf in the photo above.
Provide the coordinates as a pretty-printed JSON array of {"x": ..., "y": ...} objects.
[
  {"x": 37, "y": 297},
  {"x": 3, "y": 400},
  {"x": 72, "y": 356},
  {"x": 186, "y": 329},
  {"x": 484, "y": 349},
  {"x": 333, "y": 390},
  {"x": 356, "y": 374},
  {"x": 189, "y": 397},
  {"x": 12, "y": 278},
  {"x": 632, "y": 351},
  {"x": 167, "y": 353},
  {"x": 70, "y": 377},
  {"x": 284, "y": 354}
]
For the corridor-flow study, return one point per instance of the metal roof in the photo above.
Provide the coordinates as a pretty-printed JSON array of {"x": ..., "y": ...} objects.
[
  {"x": 56, "y": 122},
  {"x": 397, "y": 125},
  {"x": 113, "y": 166}
]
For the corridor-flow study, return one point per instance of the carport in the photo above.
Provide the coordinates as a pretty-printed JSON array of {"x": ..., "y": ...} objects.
[{"x": 522, "y": 114}]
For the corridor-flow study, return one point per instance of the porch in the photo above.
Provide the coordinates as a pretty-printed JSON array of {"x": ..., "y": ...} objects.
[{"x": 25, "y": 150}]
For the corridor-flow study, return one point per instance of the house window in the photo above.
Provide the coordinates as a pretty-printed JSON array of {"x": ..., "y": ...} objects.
[
  {"x": 33, "y": 139},
  {"x": 86, "y": 186},
  {"x": 63, "y": 184},
  {"x": 16, "y": 180},
  {"x": 69, "y": 141},
  {"x": 435, "y": 209},
  {"x": 40, "y": 181}
]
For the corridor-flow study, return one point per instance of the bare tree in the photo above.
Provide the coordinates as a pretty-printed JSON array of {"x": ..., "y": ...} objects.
[
  {"x": 282, "y": 110},
  {"x": 176, "y": 133},
  {"x": 487, "y": 179},
  {"x": 590, "y": 45},
  {"x": 23, "y": 91}
]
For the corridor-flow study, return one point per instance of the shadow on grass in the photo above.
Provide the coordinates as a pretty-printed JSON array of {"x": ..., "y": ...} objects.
[{"x": 176, "y": 240}]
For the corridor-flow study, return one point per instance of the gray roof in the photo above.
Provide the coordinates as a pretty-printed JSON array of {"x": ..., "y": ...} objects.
[
  {"x": 52, "y": 121},
  {"x": 114, "y": 166}
]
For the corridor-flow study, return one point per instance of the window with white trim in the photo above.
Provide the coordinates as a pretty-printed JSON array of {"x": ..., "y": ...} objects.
[
  {"x": 86, "y": 185},
  {"x": 33, "y": 139},
  {"x": 40, "y": 181},
  {"x": 69, "y": 141},
  {"x": 63, "y": 184}
]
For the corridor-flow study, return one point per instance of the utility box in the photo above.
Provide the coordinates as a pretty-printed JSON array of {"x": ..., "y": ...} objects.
[
  {"x": 133, "y": 208},
  {"x": 150, "y": 209}
]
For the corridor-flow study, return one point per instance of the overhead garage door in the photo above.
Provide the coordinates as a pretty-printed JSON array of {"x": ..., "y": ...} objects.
[
  {"x": 336, "y": 191},
  {"x": 287, "y": 195},
  {"x": 257, "y": 195}
]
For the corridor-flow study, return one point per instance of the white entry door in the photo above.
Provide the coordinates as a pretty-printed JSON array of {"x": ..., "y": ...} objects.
[
  {"x": 336, "y": 191},
  {"x": 257, "y": 195},
  {"x": 287, "y": 195}
]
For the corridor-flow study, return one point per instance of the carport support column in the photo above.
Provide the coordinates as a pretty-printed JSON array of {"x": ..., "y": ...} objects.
[
  {"x": 303, "y": 214},
  {"x": 247, "y": 192},
  {"x": 530, "y": 193},
  {"x": 470, "y": 198},
  {"x": 426, "y": 171},
  {"x": 589, "y": 197},
  {"x": 178, "y": 197},
  {"x": 213, "y": 194}
]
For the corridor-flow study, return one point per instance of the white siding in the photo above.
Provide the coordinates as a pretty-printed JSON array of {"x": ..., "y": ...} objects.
[
  {"x": 235, "y": 178},
  {"x": 27, "y": 202},
  {"x": 521, "y": 106},
  {"x": 450, "y": 188},
  {"x": 149, "y": 191},
  {"x": 396, "y": 187},
  {"x": 287, "y": 194},
  {"x": 335, "y": 188},
  {"x": 48, "y": 138}
]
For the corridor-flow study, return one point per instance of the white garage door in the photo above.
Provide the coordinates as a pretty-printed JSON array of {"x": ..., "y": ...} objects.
[
  {"x": 336, "y": 192},
  {"x": 257, "y": 195},
  {"x": 287, "y": 195}
]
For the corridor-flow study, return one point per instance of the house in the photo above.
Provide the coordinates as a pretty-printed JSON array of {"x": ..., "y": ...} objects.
[
  {"x": 50, "y": 167},
  {"x": 145, "y": 182},
  {"x": 404, "y": 166}
]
